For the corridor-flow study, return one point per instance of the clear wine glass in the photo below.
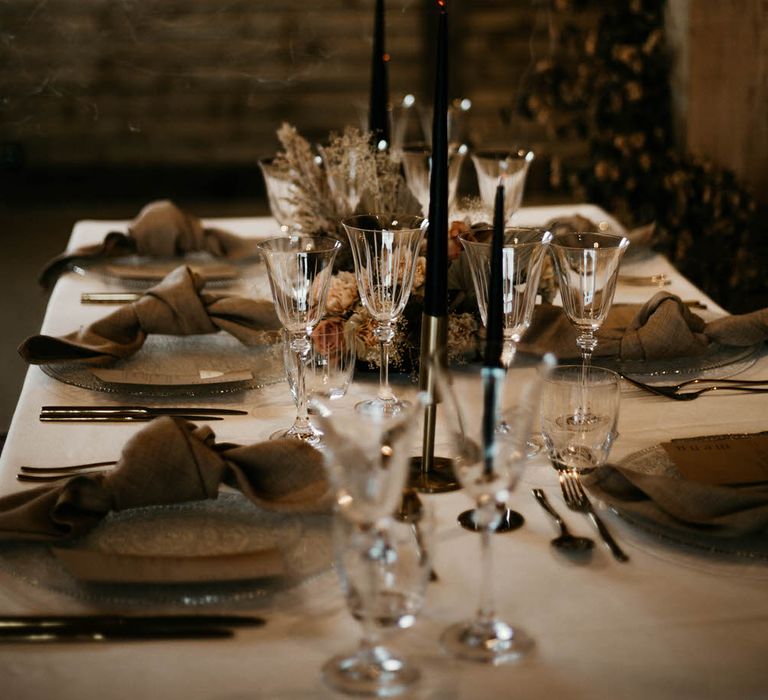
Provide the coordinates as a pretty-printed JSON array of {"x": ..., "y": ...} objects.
[
  {"x": 385, "y": 249},
  {"x": 587, "y": 266},
  {"x": 280, "y": 194},
  {"x": 330, "y": 363},
  {"x": 417, "y": 166},
  {"x": 571, "y": 442},
  {"x": 509, "y": 167},
  {"x": 488, "y": 462},
  {"x": 523, "y": 256},
  {"x": 299, "y": 269},
  {"x": 384, "y": 572},
  {"x": 367, "y": 456}
]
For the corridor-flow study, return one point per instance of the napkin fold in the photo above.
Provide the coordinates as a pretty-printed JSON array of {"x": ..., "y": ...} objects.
[
  {"x": 160, "y": 230},
  {"x": 176, "y": 306},
  {"x": 662, "y": 328},
  {"x": 170, "y": 461},
  {"x": 682, "y": 505}
]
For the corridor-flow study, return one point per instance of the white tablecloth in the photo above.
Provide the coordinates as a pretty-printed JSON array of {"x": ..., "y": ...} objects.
[{"x": 669, "y": 624}]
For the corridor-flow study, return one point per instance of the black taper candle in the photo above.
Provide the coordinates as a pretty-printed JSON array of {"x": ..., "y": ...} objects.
[
  {"x": 378, "y": 117},
  {"x": 436, "y": 284},
  {"x": 494, "y": 327}
]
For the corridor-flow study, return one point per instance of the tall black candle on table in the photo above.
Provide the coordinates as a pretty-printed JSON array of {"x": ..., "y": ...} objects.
[
  {"x": 378, "y": 118},
  {"x": 432, "y": 474}
]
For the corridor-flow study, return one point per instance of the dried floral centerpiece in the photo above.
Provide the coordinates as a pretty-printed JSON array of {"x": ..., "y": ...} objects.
[{"x": 350, "y": 175}]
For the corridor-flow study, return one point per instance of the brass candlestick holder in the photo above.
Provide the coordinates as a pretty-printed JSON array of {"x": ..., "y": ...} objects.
[{"x": 430, "y": 474}]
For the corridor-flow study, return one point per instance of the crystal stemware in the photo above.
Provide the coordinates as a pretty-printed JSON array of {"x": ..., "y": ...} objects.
[
  {"x": 417, "y": 166},
  {"x": 280, "y": 193},
  {"x": 367, "y": 459},
  {"x": 385, "y": 249},
  {"x": 509, "y": 167},
  {"x": 587, "y": 266},
  {"x": 488, "y": 462},
  {"x": 299, "y": 269},
  {"x": 523, "y": 256},
  {"x": 567, "y": 396},
  {"x": 330, "y": 363}
]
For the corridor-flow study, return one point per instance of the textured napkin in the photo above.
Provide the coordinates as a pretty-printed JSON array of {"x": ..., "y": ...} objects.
[
  {"x": 171, "y": 461},
  {"x": 664, "y": 327},
  {"x": 160, "y": 230},
  {"x": 176, "y": 306},
  {"x": 682, "y": 505}
]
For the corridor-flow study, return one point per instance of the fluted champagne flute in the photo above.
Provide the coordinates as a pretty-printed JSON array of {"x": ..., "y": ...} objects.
[
  {"x": 509, "y": 167},
  {"x": 523, "y": 256},
  {"x": 299, "y": 270},
  {"x": 417, "y": 167},
  {"x": 488, "y": 462},
  {"x": 587, "y": 266},
  {"x": 385, "y": 248}
]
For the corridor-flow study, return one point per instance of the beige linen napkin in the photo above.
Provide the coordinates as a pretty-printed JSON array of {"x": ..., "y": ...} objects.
[
  {"x": 160, "y": 230},
  {"x": 171, "y": 461},
  {"x": 664, "y": 327},
  {"x": 176, "y": 306},
  {"x": 682, "y": 505}
]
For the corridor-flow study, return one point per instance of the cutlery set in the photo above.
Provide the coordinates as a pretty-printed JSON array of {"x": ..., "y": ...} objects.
[
  {"x": 577, "y": 500},
  {"x": 678, "y": 391},
  {"x": 106, "y": 628},
  {"x": 132, "y": 414}
]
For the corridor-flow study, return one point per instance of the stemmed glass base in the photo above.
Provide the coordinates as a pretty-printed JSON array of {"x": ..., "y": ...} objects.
[
  {"x": 492, "y": 641},
  {"x": 508, "y": 521},
  {"x": 372, "y": 671},
  {"x": 382, "y": 407},
  {"x": 310, "y": 436}
]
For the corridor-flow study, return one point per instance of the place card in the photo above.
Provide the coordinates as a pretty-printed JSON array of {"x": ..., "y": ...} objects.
[
  {"x": 202, "y": 377},
  {"x": 721, "y": 459},
  {"x": 95, "y": 566},
  {"x": 156, "y": 271}
]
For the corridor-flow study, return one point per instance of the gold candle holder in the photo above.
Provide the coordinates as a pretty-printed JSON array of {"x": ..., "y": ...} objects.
[{"x": 430, "y": 474}]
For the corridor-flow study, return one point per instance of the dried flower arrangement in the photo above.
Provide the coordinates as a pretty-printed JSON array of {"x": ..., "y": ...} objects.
[{"x": 349, "y": 175}]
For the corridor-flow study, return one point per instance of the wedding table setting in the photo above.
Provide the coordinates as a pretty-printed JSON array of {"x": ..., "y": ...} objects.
[
  {"x": 685, "y": 616},
  {"x": 384, "y": 443}
]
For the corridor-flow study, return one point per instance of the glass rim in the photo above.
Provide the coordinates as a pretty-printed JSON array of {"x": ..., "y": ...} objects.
[
  {"x": 618, "y": 240},
  {"x": 329, "y": 244},
  {"x": 545, "y": 240},
  {"x": 420, "y": 221},
  {"x": 514, "y": 152},
  {"x": 604, "y": 372}
]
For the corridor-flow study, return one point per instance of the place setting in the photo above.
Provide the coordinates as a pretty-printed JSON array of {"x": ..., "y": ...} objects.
[{"x": 394, "y": 439}]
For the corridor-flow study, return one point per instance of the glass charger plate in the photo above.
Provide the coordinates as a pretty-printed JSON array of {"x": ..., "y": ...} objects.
[
  {"x": 727, "y": 360},
  {"x": 736, "y": 556},
  {"x": 140, "y": 272},
  {"x": 171, "y": 366},
  {"x": 209, "y": 530}
]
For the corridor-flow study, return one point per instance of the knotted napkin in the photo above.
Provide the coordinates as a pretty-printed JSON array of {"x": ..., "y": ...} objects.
[
  {"x": 683, "y": 506},
  {"x": 664, "y": 327},
  {"x": 161, "y": 230},
  {"x": 176, "y": 306},
  {"x": 171, "y": 461}
]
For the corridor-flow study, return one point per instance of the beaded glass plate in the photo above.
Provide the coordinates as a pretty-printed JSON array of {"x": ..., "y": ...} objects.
[
  {"x": 209, "y": 532},
  {"x": 750, "y": 551},
  {"x": 200, "y": 365}
]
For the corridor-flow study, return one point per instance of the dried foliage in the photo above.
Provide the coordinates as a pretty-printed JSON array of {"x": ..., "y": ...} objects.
[{"x": 607, "y": 82}]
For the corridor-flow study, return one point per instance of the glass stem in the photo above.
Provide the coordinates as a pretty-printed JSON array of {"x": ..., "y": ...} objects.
[
  {"x": 486, "y": 607},
  {"x": 384, "y": 333},
  {"x": 587, "y": 343},
  {"x": 300, "y": 345},
  {"x": 370, "y": 638}
]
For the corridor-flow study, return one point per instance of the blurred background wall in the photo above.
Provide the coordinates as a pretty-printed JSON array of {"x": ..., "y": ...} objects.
[{"x": 105, "y": 105}]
